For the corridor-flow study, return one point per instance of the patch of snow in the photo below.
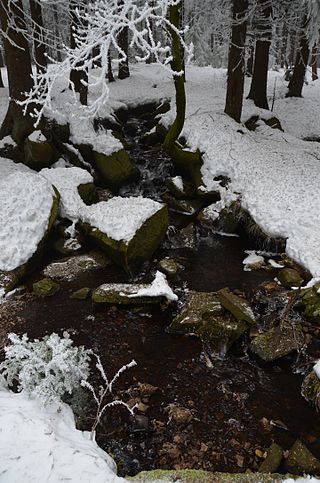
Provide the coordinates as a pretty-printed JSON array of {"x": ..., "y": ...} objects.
[
  {"x": 158, "y": 288},
  {"x": 7, "y": 140},
  {"x": 316, "y": 369},
  {"x": 177, "y": 181},
  {"x": 25, "y": 207},
  {"x": 120, "y": 218},
  {"x": 40, "y": 444},
  {"x": 61, "y": 163},
  {"x": 252, "y": 259},
  {"x": 82, "y": 132},
  {"x": 7, "y": 167},
  {"x": 305, "y": 479},
  {"x": 274, "y": 264},
  {"x": 37, "y": 137}
]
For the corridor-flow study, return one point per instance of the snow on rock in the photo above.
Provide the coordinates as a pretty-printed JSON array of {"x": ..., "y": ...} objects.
[
  {"x": 40, "y": 444},
  {"x": 120, "y": 218},
  {"x": 8, "y": 167},
  {"x": 82, "y": 132},
  {"x": 316, "y": 369},
  {"x": 25, "y": 206},
  {"x": 158, "y": 288},
  {"x": 253, "y": 259},
  {"x": 37, "y": 137},
  {"x": 306, "y": 479},
  {"x": 67, "y": 180},
  {"x": 178, "y": 182}
]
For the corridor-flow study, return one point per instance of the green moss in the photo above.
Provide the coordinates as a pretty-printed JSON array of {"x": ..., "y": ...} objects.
[
  {"x": 122, "y": 294},
  {"x": 45, "y": 287},
  {"x": 301, "y": 460},
  {"x": 187, "y": 163},
  {"x": 288, "y": 277},
  {"x": 310, "y": 389},
  {"x": 273, "y": 460},
  {"x": 81, "y": 294},
  {"x": 237, "y": 306},
  {"x": 201, "y": 476},
  {"x": 88, "y": 193},
  {"x": 311, "y": 302},
  {"x": 38, "y": 155},
  {"x": 115, "y": 169},
  {"x": 278, "y": 342}
]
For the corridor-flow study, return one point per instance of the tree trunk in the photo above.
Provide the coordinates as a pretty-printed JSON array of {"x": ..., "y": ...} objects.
[
  {"x": 296, "y": 83},
  {"x": 314, "y": 63},
  {"x": 38, "y": 37},
  {"x": 177, "y": 66},
  {"x": 1, "y": 65},
  {"x": 18, "y": 62},
  {"x": 57, "y": 33},
  {"x": 110, "y": 72},
  {"x": 123, "y": 42},
  {"x": 78, "y": 75},
  {"x": 258, "y": 89},
  {"x": 236, "y": 60}
]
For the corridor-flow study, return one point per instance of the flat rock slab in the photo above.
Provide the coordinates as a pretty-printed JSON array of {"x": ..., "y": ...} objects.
[
  {"x": 278, "y": 342},
  {"x": 129, "y": 230},
  {"x": 201, "y": 476},
  {"x": 70, "y": 268},
  {"x": 238, "y": 306},
  {"x": 123, "y": 294}
]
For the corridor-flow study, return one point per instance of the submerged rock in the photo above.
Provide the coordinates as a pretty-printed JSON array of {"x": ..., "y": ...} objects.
[
  {"x": 129, "y": 230},
  {"x": 115, "y": 169},
  {"x": 301, "y": 460},
  {"x": 278, "y": 342},
  {"x": 81, "y": 294},
  {"x": 273, "y": 459},
  {"x": 70, "y": 268},
  {"x": 238, "y": 306},
  {"x": 45, "y": 287},
  {"x": 204, "y": 316},
  {"x": 288, "y": 277}
]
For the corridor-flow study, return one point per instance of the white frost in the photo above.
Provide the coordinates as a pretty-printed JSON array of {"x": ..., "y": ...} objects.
[{"x": 158, "y": 288}]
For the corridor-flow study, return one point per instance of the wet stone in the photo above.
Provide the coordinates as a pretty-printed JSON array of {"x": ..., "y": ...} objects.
[
  {"x": 70, "y": 268},
  {"x": 45, "y": 287},
  {"x": 278, "y": 342},
  {"x": 288, "y": 277},
  {"x": 311, "y": 302},
  {"x": 301, "y": 460},
  {"x": 81, "y": 294},
  {"x": 185, "y": 238},
  {"x": 310, "y": 389},
  {"x": 169, "y": 266},
  {"x": 238, "y": 306},
  {"x": 273, "y": 459},
  {"x": 123, "y": 294}
]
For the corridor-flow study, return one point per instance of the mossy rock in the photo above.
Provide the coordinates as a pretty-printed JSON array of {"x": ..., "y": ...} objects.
[
  {"x": 72, "y": 268},
  {"x": 301, "y": 460},
  {"x": 88, "y": 193},
  {"x": 187, "y": 237},
  {"x": 187, "y": 163},
  {"x": 115, "y": 169},
  {"x": 81, "y": 294},
  {"x": 237, "y": 306},
  {"x": 131, "y": 254},
  {"x": 189, "y": 207},
  {"x": 278, "y": 342},
  {"x": 170, "y": 267},
  {"x": 186, "y": 193},
  {"x": 123, "y": 294},
  {"x": 9, "y": 280},
  {"x": 204, "y": 316},
  {"x": 311, "y": 302},
  {"x": 273, "y": 459},
  {"x": 45, "y": 287},
  {"x": 201, "y": 476},
  {"x": 288, "y": 277},
  {"x": 38, "y": 155},
  {"x": 310, "y": 389}
]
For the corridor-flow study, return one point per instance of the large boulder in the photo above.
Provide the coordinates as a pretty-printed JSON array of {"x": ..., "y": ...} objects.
[
  {"x": 278, "y": 342},
  {"x": 129, "y": 230},
  {"x": 115, "y": 169},
  {"x": 38, "y": 152},
  {"x": 204, "y": 316},
  {"x": 28, "y": 210}
]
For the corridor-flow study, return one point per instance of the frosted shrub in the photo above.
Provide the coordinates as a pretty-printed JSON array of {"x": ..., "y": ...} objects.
[{"x": 47, "y": 369}]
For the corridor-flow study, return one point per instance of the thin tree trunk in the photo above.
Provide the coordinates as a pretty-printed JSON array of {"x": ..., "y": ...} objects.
[
  {"x": 57, "y": 33},
  {"x": 314, "y": 63},
  {"x": 1, "y": 65},
  {"x": 78, "y": 75},
  {"x": 38, "y": 40},
  {"x": 236, "y": 60},
  {"x": 258, "y": 89},
  {"x": 296, "y": 83},
  {"x": 123, "y": 42},
  {"x": 177, "y": 66},
  {"x": 110, "y": 72},
  {"x": 18, "y": 62}
]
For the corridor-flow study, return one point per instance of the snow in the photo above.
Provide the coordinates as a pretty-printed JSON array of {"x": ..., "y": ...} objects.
[
  {"x": 158, "y": 288},
  {"x": 252, "y": 259},
  {"x": 26, "y": 202},
  {"x": 120, "y": 218},
  {"x": 316, "y": 369},
  {"x": 274, "y": 264},
  {"x": 82, "y": 132},
  {"x": 306, "y": 479},
  {"x": 177, "y": 181},
  {"x": 37, "y": 137},
  {"x": 40, "y": 444}
]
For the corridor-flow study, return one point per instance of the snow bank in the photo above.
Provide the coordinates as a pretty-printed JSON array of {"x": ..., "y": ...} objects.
[
  {"x": 82, "y": 132},
  {"x": 120, "y": 218},
  {"x": 306, "y": 479},
  {"x": 25, "y": 206},
  {"x": 158, "y": 288},
  {"x": 43, "y": 445},
  {"x": 37, "y": 137}
]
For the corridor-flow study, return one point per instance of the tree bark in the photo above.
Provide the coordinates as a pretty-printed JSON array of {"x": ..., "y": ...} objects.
[
  {"x": 123, "y": 42},
  {"x": 258, "y": 89},
  {"x": 18, "y": 62},
  {"x": 78, "y": 75},
  {"x": 38, "y": 40},
  {"x": 296, "y": 83},
  {"x": 1, "y": 65},
  {"x": 314, "y": 63},
  {"x": 236, "y": 60},
  {"x": 110, "y": 71},
  {"x": 177, "y": 66}
]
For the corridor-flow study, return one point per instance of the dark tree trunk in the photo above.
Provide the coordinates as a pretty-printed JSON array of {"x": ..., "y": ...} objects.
[
  {"x": 110, "y": 72},
  {"x": 296, "y": 83},
  {"x": 236, "y": 60},
  {"x": 18, "y": 62},
  {"x": 1, "y": 65},
  {"x": 249, "y": 67},
  {"x": 57, "y": 33},
  {"x": 314, "y": 63},
  {"x": 177, "y": 66},
  {"x": 78, "y": 75},
  {"x": 123, "y": 42},
  {"x": 38, "y": 36},
  {"x": 258, "y": 89},
  {"x": 96, "y": 59}
]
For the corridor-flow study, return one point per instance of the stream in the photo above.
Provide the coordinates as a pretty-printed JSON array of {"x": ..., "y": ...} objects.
[{"x": 239, "y": 406}]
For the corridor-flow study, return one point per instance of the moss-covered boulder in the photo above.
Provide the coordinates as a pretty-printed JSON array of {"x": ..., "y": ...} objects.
[
  {"x": 129, "y": 230},
  {"x": 45, "y": 287},
  {"x": 204, "y": 316},
  {"x": 278, "y": 342},
  {"x": 273, "y": 459},
  {"x": 238, "y": 306},
  {"x": 81, "y": 294},
  {"x": 38, "y": 152},
  {"x": 187, "y": 163},
  {"x": 301, "y": 461},
  {"x": 115, "y": 169},
  {"x": 311, "y": 302},
  {"x": 310, "y": 389},
  {"x": 288, "y": 277},
  {"x": 201, "y": 476}
]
